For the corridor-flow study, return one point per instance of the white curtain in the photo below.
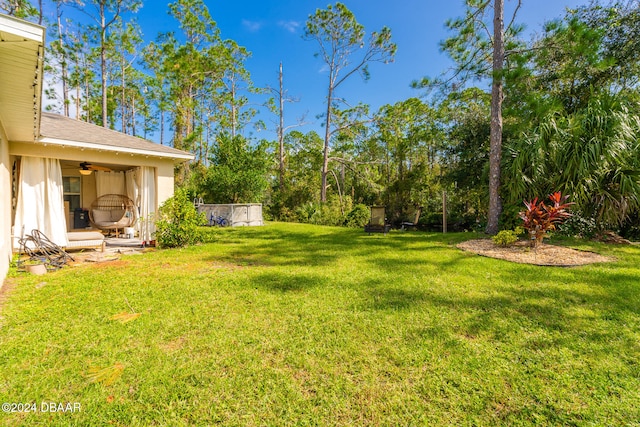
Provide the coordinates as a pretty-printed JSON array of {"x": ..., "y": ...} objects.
[
  {"x": 132, "y": 186},
  {"x": 146, "y": 180},
  {"x": 40, "y": 204},
  {"x": 110, "y": 183}
]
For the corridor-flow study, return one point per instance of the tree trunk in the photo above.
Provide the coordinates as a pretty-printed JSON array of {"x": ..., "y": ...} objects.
[
  {"x": 133, "y": 115},
  {"x": 103, "y": 63},
  {"x": 234, "y": 111},
  {"x": 87, "y": 92},
  {"x": 78, "y": 98},
  {"x": 162, "y": 126},
  {"x": 281, "y": 131},
  {"x": 327, "y": 136},
  {"x": 123, "y": 96},
  {"x": 495, "y": 152},
  {"x": 63, "y": 64}
]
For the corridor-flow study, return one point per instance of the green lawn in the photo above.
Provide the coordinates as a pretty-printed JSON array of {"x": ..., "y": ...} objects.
[{"x": 300, "y": 325}]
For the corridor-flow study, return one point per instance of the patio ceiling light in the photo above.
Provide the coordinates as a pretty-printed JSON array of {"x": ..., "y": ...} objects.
[{"x": 85, "y": 171}]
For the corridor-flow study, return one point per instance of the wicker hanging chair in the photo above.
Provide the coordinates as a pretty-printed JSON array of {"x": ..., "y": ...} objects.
[{"x": 113, "y": 212}]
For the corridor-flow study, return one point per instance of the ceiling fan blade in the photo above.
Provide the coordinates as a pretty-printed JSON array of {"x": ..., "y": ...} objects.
[{"x": 99, "y": 168}]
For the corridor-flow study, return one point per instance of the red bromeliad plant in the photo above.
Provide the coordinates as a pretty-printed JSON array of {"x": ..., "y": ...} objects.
[{"x": 540, "y": 218}]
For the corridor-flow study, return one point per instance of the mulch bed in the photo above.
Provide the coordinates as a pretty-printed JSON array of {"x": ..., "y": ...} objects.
[{"x": 523, "y": 253}]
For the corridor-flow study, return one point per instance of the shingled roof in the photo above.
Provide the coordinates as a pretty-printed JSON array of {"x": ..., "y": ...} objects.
[{"x": 64, "y": 131}]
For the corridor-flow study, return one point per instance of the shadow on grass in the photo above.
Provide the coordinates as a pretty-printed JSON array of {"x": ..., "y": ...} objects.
[
  {"x": 395, "y": 299},
  {"x": 276, "y": 246},
  {"x": 484, "y": 291},
  {"x": 278, "y": 282},
  {"x": 571, "y": 308}
]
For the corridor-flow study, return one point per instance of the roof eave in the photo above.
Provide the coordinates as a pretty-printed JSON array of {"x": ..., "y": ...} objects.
[
  {"x": 180, "y": 157},
  {"x": 28, "y": 39},
  {"x": 22, "y": 28}
]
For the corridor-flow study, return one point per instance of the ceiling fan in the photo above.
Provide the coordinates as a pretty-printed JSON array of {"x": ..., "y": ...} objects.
[{"x": 86, "y": 168}]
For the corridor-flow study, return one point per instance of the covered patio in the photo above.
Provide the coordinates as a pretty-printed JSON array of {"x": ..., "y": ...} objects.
[{"x": 58, "y": 179}]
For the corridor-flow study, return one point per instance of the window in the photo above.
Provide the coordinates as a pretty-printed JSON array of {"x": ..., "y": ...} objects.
[{"x": 71, "y": 187}]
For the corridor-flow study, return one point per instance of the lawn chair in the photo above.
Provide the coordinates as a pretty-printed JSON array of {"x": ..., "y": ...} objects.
[
  {"x": 406, "y": 225},
  {"x": 378, "y": 222}
]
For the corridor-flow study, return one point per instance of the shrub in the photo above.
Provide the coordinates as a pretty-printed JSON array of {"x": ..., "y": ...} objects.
[
  {"x": 508, "y": 237},
  {"x": 329, "y": 213},
  {"x": 306, "y": 211},
  {"x": 179, "y": 222},
  {"x": 505, "y": 238},
  {"x": 539, "y": 218},
  {"x": 510, "y": 216},
  {"x": 358, "y": 217},
  {"x": 630, "y": 229},
  {"x": 579, "y": 226},
  {"x": 430, "y": 221}
]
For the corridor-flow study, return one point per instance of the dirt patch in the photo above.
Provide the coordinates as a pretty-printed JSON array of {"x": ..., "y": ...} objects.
[
  {"x": 5, "y": 290},
  {"x": 521, "y": 252},
  {"x": 174, "y": 345},
  {"x": 99, "y": 261}
]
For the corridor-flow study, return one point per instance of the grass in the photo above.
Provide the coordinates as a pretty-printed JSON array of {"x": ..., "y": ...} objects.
[{"x": 302, "y": 325}]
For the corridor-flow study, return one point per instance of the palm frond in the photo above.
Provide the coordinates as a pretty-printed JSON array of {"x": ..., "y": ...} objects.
[{"x": 106, "y": 376}]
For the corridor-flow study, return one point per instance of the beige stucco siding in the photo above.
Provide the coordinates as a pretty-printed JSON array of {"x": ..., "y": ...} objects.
[
  {"x": 5, "y": 206},
  {"x": 165, "y": 181}
]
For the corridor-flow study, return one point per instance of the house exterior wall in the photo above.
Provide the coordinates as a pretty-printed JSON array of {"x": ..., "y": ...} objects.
[
  {"x": 5, "y": 206},
  {"x": 164, "y": 181}
]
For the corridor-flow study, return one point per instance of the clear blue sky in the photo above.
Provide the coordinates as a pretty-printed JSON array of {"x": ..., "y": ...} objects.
[{"x": 272, "y": 30}]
